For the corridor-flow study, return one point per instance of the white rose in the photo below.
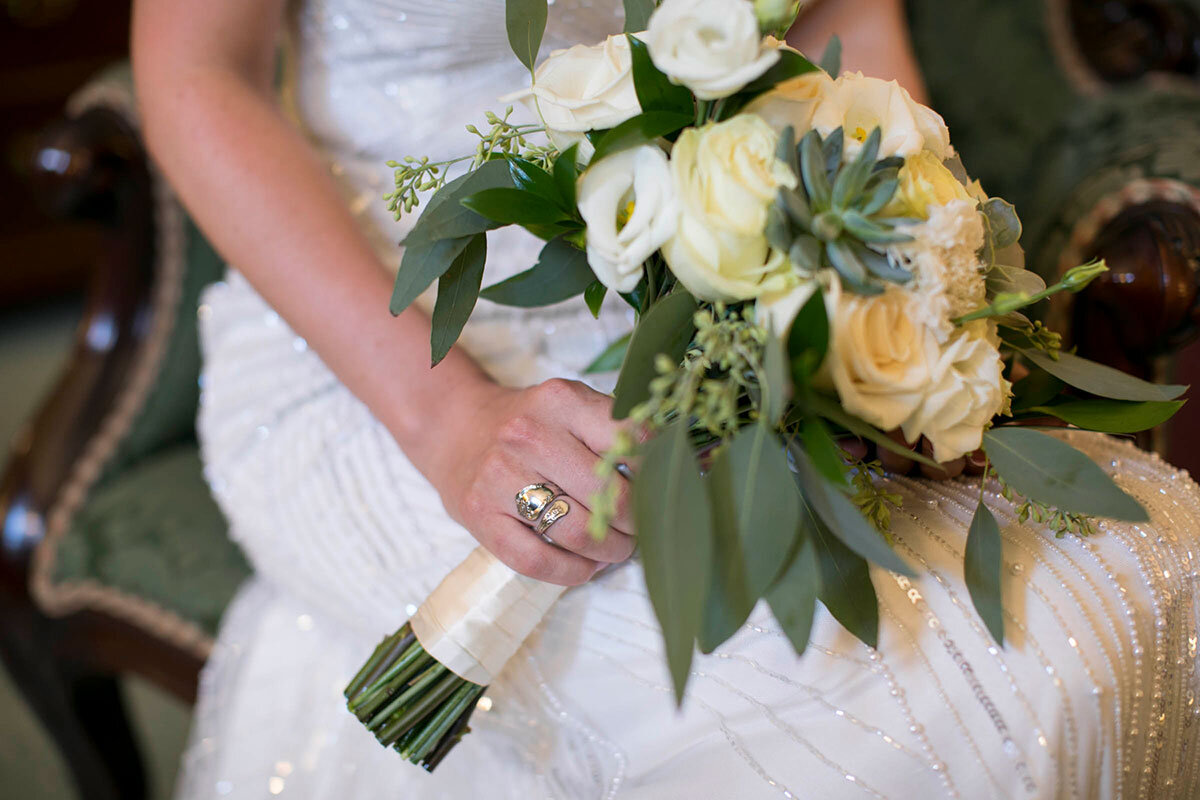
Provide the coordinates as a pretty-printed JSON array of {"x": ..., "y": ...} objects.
[
  {"x": 726, "y": 175},
  {"x": 713, "y": 47},
  {"x": 792, "y": 102},
  {"x": 628, "y": 203},
  {"x": 581, "y": 89},
  {"x": 859, "y": 104},
  {"x": 890, "y": 370},
  {"x": 967, "y": 388}
]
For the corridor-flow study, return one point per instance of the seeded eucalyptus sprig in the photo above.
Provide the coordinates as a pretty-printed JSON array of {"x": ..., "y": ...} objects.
[{"x": 833, "y": 217}]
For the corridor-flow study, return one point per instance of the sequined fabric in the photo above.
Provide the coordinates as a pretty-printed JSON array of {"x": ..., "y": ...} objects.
[{"x": 1094, "y": 696}]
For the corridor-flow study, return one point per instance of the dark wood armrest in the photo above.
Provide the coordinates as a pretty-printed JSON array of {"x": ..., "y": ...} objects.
[{"x": 93, "y": 168}]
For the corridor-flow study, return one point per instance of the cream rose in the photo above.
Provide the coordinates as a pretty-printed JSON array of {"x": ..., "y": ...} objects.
[
  {"x": 792, "y": 102},
  {"x": 713, "y": 47},
  {"x": 726, "y": 175},
  {"x": 890, "y": 370},
  {"x": 924, "y": 181},
  {"x": 628, "y": 203},
  {"x": 859, "y": 104},
  {"x": 581, "y": 89}
]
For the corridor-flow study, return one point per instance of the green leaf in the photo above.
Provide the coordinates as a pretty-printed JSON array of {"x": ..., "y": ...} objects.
[
  {"x": 982, "y": 563},
  {"x": 1003, "y": 223},
  {"x": 446, "y": 218},
  {"x": 509, "y": 206},
  {"x": 1035, "y": 389},
  {"x": 642, "y": 129},
  {"x": 766, "y": 501},
  {"x": 808, "y": 339},
  {"x": 776, "y": 379},
  {"x": 666, "y": 328},
  {"x": 730, "y": 599},
  {"x": 1052, "y": 472},
  {"x": 793, "y": 596},
  {"x": 1001, "y": 278},
  {"x": 824, "y": 452},
  {"x": 458, "y": 289},
  {"x": 655, "y": 92},
  {"x": 637, "y": 14},
  {"x": 1112, "y": 416},
  {"x": 831, "y": 59},
  {"x": 789, "y": 65},
  {"x": 831, "y": 410},
  {"x": 1101, "y": 380},
  {"x": 561, "y": 272},
  {"x": 526, "y": 22},
  {"x": 611, "y": 358},
  {"x": 531, "y": 178},
  {"x": 846, "y": 588},
  {"x": 845, "y": 521},
  {"x": 566, "y": 172},
  {"x": 422, "y": 264},
  {"x": 674, "y": 527},
  {"x": 593, "y": 295}
]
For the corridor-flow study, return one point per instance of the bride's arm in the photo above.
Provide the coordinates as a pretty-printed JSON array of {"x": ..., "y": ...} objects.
[{"x": 204, "y": 80}]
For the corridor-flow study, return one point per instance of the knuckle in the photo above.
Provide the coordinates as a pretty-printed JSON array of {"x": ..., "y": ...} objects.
[
  {"x": 557, "y": 390},
  {"x": 519, "y": 431}
]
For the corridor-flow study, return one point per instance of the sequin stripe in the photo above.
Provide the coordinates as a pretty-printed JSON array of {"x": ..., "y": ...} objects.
[
  {"x": 971, "y": 618},
  {"x": 1092, "y": 599},
  {"x": 730, "y": 736}
]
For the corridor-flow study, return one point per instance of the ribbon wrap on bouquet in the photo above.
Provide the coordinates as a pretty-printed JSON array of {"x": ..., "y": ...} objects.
[{"x": 480, "y": 614}]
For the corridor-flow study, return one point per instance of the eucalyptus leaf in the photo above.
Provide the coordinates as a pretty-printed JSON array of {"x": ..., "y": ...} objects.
[
  {"x": 611, "y": 358},
  {"x": 1112, "y": 416},
  {"x": 423, "y": 263},
  {"x": 509, "y": 206},
  {"x": 446, "y": 218},
  {"x": 593, "y": 295},
  {"x": 525, "y": 21},
  {"x": 845, "y": 586},
  {"x": 561, "y": 272},
  {"x": 1035, "y": 389},
  {"x": 1002, "y": 278},
  {"x": 1003, "y": 223},
  {"x": 766, "y": 501},
  {"x": 793, "y": 596},
  {"x": 824, "y": 452},
  {"x": 637, "y": 14},
  {"x": 776, "y": 381},
  {"x": 1101, "y": 380},
  {"x": 983, "y": 561},
  {"x": 808, "y": 338},
  {"x": 674, "y": 525},
  {"x": 831, "y": 59},
  {"x": 458, "y": 289},
  {"x": 1050, "y": 471},
  {"x": 655, "y": 92},
  {"x": 642, "y": 129},
  {"x": 666, "y": 328},
  {"x": 730, "y": 598},
  {"x": 841, "y": 516}
]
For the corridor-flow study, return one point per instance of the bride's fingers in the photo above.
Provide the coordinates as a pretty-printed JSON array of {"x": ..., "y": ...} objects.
[
  {"x": 944, "y": 469},
  {"x": 570, "y": 532},
  {"x": 572, "y": 467},
  {"x": 894, "y": 462},
  {"x": 518, "y": 546}
]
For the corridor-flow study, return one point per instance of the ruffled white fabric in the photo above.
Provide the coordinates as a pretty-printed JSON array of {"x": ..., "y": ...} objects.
[{"x": 1093, "y": 697}]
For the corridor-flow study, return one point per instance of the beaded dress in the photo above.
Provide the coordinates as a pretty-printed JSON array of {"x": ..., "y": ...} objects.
[{"x": 1094, "y": 696}]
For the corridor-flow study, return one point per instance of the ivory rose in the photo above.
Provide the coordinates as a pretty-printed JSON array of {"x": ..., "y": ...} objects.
[
  {"x": 628, "y": 203},
  {"x": 792, "y": 102},
  {"x": 726, "y": 175},
  {"x": 890, "y": 370},
  {"x": 712, "y": 47},
  {"x": 859, "y": 104},
  {"x": 583, "y": 88}
]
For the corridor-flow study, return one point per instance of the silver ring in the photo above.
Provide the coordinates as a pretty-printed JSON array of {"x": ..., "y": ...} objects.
[
  {"x": 554, "y": 512},
  {"x": 533, "y": 499}
]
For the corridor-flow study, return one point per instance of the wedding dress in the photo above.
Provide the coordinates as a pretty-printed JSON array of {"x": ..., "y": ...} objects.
[{"x": 1093, "y": 696}]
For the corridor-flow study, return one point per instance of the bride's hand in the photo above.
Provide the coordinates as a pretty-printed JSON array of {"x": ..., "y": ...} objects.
[{"x": 549, "y": 433}]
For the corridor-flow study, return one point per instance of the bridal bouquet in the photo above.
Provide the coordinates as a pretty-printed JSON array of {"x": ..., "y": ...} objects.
[{"x": 809, "y": 264}]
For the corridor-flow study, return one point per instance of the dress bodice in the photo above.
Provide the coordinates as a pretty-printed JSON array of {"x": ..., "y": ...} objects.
[{"x": 373, "y": 80}]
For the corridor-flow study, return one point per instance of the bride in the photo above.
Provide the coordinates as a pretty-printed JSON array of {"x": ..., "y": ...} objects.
[{"x": 355, "y": 477}]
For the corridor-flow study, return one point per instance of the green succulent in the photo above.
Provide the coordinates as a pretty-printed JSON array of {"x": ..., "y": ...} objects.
[{"x": 832, "y": 218}]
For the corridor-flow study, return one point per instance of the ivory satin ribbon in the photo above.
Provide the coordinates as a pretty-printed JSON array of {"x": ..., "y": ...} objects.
[{"x": 480, "y": 614}]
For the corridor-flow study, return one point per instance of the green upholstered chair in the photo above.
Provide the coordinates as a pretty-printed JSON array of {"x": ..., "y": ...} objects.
[{"x": 113, "y": 557}]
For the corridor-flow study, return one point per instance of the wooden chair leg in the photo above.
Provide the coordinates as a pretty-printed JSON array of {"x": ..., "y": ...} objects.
[{"x": 83, "y": 712}]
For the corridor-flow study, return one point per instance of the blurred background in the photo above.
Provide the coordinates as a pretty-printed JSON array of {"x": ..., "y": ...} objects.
[{"x": 114, "y": 564}]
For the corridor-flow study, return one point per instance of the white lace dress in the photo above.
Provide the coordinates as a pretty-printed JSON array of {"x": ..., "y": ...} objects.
[{"x": 1094, "y": 696}]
